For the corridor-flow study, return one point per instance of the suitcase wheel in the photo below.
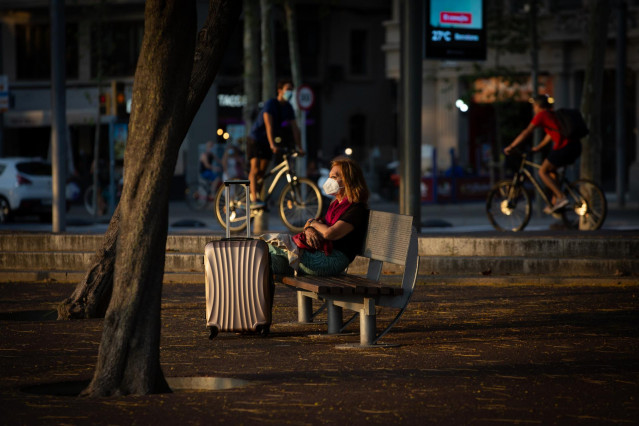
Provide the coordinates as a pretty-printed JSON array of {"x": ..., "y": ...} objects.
[
  {"x": 263, "y": 330},
  {"x": 213, "y": 332}
]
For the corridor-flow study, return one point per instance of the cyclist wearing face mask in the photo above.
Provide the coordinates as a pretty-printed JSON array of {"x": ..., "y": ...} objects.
[
  {"x": 274, "y": 123},
  {"x": 329, "y": 244}
]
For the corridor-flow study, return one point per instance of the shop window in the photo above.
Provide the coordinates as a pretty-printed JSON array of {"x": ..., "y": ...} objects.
[
  {"x": 119, "y": 45},
  {"x": 33, "y": 51}
]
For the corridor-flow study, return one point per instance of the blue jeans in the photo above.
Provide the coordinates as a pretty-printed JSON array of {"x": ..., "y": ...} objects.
[{"x": 209, "y": 175}]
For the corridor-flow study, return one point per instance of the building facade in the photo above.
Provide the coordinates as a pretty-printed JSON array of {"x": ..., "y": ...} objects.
[
  {"x": 479, "y": 134},
  {"x": 339, "y": 49},
  {"x": 350, "y": 56}
]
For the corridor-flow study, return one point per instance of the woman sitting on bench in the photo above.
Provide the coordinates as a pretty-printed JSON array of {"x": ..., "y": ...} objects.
[{"x": 328, "y": 245}]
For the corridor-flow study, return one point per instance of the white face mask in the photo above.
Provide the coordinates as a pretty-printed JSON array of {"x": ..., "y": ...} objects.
[
  {"x": 331, "y": 186},
  {"x": 288, "y": 95}
]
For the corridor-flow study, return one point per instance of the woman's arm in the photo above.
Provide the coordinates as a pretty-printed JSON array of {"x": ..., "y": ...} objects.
[{"x": 334, "y": 232}]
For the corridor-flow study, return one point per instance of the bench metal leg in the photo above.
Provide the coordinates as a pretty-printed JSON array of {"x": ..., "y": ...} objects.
[
  {"x": 304, "y": 308},
  {"x": 334, "y": 318},
  {"x": 367, "y": 323}
]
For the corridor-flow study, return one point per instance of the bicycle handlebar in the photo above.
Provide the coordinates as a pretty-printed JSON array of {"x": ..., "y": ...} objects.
[
  {"x": 516, "y": 151},
  {"x": 291, "y": 152}
]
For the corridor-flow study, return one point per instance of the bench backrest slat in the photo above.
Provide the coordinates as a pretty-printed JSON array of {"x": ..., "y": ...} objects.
[{"x": 388, "y": 237}]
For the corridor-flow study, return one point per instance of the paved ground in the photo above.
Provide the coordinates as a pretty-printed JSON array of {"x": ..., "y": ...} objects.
[{"x": 468, "y": 355}]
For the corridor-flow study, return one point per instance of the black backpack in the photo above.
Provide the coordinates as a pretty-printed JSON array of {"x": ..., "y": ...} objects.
[{"x": 571, "y": 123}]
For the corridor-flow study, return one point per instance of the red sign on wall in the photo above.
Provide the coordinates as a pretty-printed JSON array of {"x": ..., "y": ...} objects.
[{"x": 459, "y": 18}]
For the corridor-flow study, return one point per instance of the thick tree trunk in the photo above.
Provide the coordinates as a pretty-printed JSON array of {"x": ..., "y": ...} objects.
[
  {"x": 171, "y": 80},
  {"x": 91, "y": 296},
  {"x": 593, "y": 84}
]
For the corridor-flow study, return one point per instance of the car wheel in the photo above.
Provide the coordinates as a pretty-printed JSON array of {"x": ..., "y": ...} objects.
[{"x": 5, "y": 210}]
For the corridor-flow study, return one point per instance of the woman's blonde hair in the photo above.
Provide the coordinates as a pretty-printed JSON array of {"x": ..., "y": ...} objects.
[{"x": 353, "y": 178}]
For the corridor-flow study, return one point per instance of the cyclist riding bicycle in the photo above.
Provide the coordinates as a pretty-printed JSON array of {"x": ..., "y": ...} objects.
[
  {"x": 564, "y": 151},
  {"x": 276, "y": 117}
]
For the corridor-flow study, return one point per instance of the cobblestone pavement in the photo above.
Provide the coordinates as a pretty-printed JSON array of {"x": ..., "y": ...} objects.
[{"x": 467, "y": 354}]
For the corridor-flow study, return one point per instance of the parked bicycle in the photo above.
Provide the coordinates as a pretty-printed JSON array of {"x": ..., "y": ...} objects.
[
  {"x": 103, "y": 198},
  {"x": 509, "y": 202},
  {"x": 200, "y": 195},
  {"x": 299, "y": 200}
]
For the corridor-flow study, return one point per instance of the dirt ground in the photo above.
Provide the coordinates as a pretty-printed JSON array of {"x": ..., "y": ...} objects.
[{"x": 467, "y": 355}]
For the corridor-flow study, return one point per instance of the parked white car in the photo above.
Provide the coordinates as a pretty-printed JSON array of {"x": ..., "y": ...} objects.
[{"x": 25, "y": 188}]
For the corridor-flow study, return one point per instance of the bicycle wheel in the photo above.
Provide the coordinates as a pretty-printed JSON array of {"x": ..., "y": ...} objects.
[
  {"x": 196, "y": 197},
  {"x": 300, "y": 200},
  {"x": 236, "y": 207},
  {"x": 588, "y": 207},
  {"x": 508, "y": 210}
]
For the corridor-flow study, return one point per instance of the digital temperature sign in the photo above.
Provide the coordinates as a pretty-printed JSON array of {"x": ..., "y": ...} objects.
[{"x": 455, "y": 30}]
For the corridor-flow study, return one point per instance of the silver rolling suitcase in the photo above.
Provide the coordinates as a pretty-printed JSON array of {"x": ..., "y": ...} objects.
[{"x": 238, "y": 280}]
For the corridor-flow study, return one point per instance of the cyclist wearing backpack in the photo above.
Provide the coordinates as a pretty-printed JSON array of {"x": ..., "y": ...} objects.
[
  {"x": 564, "y": 150},
  {"x": 267, "y": 131}
]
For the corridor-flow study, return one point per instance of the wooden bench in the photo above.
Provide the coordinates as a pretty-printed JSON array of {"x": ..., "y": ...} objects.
[{"x": 390, "y": 238}]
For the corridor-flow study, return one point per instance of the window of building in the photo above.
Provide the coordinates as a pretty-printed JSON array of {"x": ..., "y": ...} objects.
[
  {"x": 119, "y": 44},
  {"x": 33, "y": 51},
  {"x": 358, "y": 54}
]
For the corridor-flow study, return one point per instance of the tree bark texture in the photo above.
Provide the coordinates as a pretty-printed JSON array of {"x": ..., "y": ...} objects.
[
  {"x": 592, "y": 90},
  {"x": 171, "y": 80},
  {"x": 91, "y": 296}
]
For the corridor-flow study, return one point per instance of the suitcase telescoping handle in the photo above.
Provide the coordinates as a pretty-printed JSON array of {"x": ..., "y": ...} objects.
[{"x": 227, "y": 186}]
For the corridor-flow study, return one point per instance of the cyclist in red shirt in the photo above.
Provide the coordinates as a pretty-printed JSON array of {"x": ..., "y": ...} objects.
[{"x": 564, "y": 151}]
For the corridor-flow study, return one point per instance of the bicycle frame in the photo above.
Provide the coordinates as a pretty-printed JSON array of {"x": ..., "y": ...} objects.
[
  {"x": 524, "y": 171},
  {"x": 283, "y": 168}
]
